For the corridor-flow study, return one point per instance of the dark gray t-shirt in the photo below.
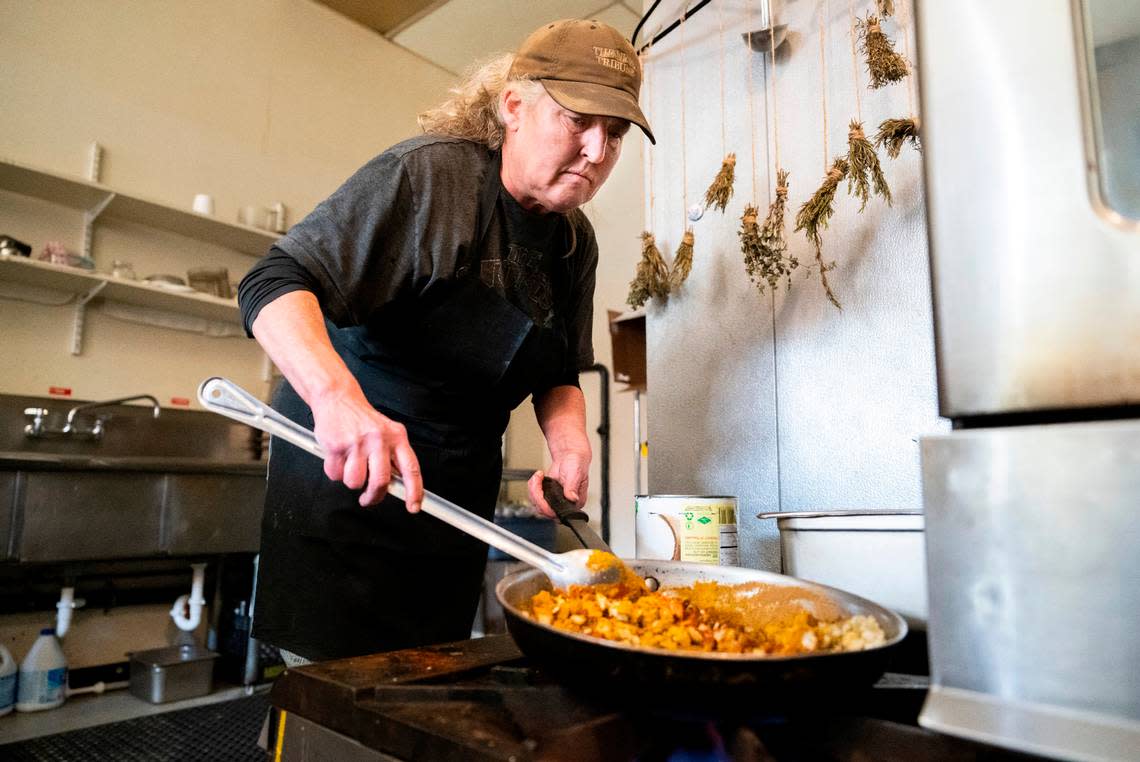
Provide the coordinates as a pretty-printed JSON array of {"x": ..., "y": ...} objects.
[{"x": 409, "y": 219}]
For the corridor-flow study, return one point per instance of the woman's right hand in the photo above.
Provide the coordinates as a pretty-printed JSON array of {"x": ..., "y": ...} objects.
[
  {"x": 361, "y": 447},
  {"x": 360, "y": 444}
]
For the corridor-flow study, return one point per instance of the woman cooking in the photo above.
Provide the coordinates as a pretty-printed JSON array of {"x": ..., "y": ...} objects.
[{"x": 445, "y": 282}]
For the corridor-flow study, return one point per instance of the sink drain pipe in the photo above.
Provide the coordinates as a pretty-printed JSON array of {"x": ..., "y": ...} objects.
[
  {"x": 63, "y": 609},
  {"x": 194, "y": 602}
]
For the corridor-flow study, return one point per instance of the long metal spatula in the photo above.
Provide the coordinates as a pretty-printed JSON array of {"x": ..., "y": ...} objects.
[{"x": 226, "y": 398}]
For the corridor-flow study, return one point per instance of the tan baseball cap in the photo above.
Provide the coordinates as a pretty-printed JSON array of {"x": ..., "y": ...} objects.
[{"x": 586, "y": 66}]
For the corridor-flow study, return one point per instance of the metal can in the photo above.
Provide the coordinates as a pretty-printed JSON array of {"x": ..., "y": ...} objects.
[{"x": 698, "y": 528}]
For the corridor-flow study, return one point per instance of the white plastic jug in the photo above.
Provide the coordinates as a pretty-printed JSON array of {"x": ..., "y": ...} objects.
[
  {"x": 8, "y": 670},
  {"x": 43, "y": 675}
]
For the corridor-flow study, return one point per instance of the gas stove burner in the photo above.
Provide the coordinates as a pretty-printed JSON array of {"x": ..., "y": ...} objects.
[{"x": 481, "y": 700}]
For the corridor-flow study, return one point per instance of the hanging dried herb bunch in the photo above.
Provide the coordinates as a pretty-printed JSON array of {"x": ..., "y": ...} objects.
[
  {"x": 866, "y": 174},
  {"x": 720, "y": 191},
  {"x": 765, "y": 247},
  {"x": 682, "y": 261},
  {"x": 883, "y": 63},
  {"x": 814, "y": 215},
  {"x": 886, "y": 7},
  {"x": 652, "y": 278},
  {"x": 894, "y": 132}
]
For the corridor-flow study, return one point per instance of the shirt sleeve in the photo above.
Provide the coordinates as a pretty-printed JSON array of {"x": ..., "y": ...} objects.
[
  {"x": 272, "y": 276},
  {"x": 358, "y": 246},
  {"x": 402, "y": 222}
]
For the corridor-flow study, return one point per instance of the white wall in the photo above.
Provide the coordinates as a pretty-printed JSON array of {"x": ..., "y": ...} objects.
[
  {"x": 252, "y": 102},
  {"x": 788, "y": 403}
]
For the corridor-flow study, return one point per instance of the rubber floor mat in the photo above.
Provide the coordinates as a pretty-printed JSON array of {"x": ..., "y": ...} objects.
[{"x": 225, "y": 731}]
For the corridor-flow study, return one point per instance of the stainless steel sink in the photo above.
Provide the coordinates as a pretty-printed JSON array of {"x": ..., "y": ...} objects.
[{"x": 183, "y": 484}]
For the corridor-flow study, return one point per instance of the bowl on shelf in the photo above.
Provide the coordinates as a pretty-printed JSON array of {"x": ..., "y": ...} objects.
[
  {"x": 168, "y": 283},
  {"x": 56, "y": 253},
  {"x": 214, "y": 281},
  {"x": 13, "y": 247}
]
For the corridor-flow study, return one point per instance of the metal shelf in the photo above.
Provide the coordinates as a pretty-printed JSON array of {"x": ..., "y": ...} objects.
[
  {"x": 517, "y": 474},
  {"x": 30, "y": 272},
  {"x": 87, "y": 196}
]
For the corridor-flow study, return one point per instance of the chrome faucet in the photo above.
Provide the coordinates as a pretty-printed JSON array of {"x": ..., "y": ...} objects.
[
  {"x": 38, "y": 426},
  {"x": 96, "y": 430}
]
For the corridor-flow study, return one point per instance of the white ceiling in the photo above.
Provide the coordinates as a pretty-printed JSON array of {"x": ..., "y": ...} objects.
[{"x": 456, "y": 33}]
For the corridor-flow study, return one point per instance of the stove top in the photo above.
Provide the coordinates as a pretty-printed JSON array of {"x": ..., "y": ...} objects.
[{"x": 481, "y": 700}]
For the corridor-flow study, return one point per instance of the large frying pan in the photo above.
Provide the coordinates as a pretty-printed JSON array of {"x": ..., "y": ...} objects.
[{"x": 619, "y": 670}]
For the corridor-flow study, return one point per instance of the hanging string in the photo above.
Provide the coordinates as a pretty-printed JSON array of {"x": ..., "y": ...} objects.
[
  {"x": 684, "y": 169},
  {"x": 751, "y": 101},
  {"x": 823, "y": 82},
  {"x": 721, "y": 189},
  {"x": 855, "y": 62},
  {"x": 683, "y": 259},
  {"x": 651, "y": 280},
  {"x": 775, "y": 99},
  {"x": 723, "y": 119},
  {"x": 644, "y": 143},
  {"x": 904, "y": 30},
  {"x": 814, "y": 214}
]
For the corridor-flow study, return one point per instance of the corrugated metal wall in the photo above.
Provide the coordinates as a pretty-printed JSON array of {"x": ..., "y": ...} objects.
[{"x": 788, "y": 403}]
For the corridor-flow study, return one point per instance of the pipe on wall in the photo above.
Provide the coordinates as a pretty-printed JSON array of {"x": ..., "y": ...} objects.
[
  {"x": 194, "y": 602},
  {"x": 63, "y": 609}
]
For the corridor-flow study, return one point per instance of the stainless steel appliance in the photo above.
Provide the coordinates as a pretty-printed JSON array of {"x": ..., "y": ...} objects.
[{"x": 1029, "y": 124}]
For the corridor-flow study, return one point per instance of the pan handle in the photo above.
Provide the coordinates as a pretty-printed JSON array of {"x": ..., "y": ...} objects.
[
  {"x": 224, "y": 397},
  {"x": 572, "y": 517},
  {"x": 833, "y": 514}
]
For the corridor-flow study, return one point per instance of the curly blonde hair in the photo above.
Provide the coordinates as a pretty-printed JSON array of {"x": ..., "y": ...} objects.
[{"x": 472, "y": 112}]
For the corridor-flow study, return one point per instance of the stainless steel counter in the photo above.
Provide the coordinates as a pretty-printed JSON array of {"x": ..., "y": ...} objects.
[{"x": 25, "y": 461}]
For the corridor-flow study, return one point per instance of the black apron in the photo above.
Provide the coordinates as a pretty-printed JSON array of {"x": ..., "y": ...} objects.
[{"x": 338, "y": 580}]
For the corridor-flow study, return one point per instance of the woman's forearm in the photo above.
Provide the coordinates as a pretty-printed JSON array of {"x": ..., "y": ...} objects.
[
  {"x": 561, "y": 414},
  {"x": 362, "y": 446},
  {"x": 291, "y": 330}
]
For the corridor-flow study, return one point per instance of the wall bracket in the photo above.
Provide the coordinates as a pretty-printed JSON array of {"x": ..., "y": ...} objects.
[{"x": 81, "y": 317}]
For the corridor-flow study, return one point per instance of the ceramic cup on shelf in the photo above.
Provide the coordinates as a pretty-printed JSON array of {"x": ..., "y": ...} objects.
[
  {"x": 123, "y": 270},
  {"x": 203, "y": 203},
  {"x": 276, "y": 221},
  {"x": 253, "y": 216}
]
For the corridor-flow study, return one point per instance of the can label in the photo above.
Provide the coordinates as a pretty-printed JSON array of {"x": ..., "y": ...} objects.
[{"x": 680, "y": 528}]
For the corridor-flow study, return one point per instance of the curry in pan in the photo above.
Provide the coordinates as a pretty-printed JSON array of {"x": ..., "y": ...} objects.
[{"x": 750, "y": 618}]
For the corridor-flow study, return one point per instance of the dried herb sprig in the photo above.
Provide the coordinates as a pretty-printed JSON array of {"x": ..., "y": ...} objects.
[
  {"x": 765, "y": 247},
  {"x": 682, "y": 261},
  {"x": 886, "y": 7},
  {"x": 720, "y": 191},
  {"x": 883, "y": 63},
  {"x": 652, "y": 278},
  {"x": 814, "y": 215},
  {"x": 750, "y": 245},
  {"x": 894, "y": 132},
  {"x": 866, "y": 174}
]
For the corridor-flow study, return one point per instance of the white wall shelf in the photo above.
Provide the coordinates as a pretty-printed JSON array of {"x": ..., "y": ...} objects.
[
  {"x": 85, "y": 195},
  {"x": 72, "y": 280}
]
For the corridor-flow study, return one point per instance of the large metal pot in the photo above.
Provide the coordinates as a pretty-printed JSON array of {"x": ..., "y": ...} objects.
[
  {"x": 879, "y": 554},
  {"x": 618, "y": 669}
]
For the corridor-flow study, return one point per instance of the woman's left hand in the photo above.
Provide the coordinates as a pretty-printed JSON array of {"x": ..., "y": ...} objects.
[{"x": 572, "y": 471}]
